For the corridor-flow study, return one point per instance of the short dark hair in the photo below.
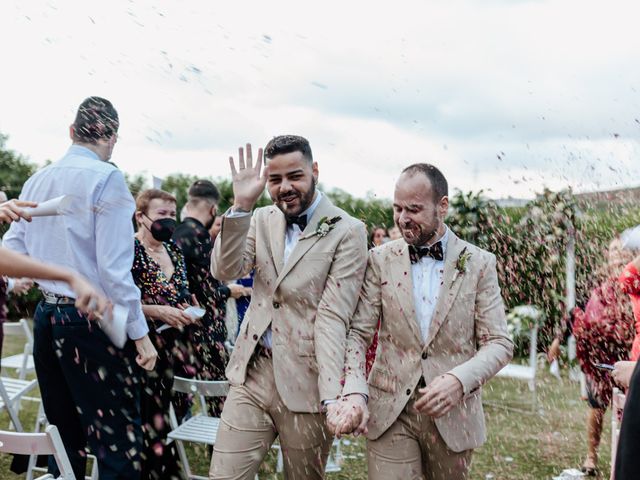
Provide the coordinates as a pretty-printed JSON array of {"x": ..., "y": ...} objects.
[
  {"x": 286, "y": 144},
  {"x": 96, "y": 119},
  {"x": 438, "y": 182},
  {"x": 204, "y": 190}
]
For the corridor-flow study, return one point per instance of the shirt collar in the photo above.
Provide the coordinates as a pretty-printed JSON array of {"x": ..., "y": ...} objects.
[
  {"x": 83, "y": 152},
  {"x": 312, "y": 208}
]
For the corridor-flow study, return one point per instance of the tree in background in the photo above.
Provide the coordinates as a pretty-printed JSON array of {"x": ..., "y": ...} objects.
[{"x": 15, "y": 169}]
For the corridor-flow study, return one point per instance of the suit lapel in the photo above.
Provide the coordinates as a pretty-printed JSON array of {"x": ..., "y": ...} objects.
[
  {"x": 451, "y": 281},
  {"x": 306, "y": 241},
  {"x": 400, "y": 267},
  {"x": 277, "y": 230}
]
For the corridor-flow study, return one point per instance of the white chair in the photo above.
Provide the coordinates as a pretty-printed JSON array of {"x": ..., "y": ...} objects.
[
  {"x": 526, "y": 373},
  {"x": 617, "y": 407},
  {"x": 201, "y": 428},
  {"x": 22, "y": 363},
  {"x": 47, "y": 443},
  {"x": 12, "y": 390},
  {"x": 41, "y": 421}
]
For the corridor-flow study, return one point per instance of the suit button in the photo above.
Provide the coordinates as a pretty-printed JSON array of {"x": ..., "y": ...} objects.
[
  {"x": 276, "y": 305},
  {"x": 255, "y": 336},
  {"x": 408, "y": 391},
  {"x": 424, "y": 355}
]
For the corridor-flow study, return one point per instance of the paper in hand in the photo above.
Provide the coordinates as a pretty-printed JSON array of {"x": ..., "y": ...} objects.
[
  {"x": 114, "y": 325},
  {"x": 54, "y": 206}
]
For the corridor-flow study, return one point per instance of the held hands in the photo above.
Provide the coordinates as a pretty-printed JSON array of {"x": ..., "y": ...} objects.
[
  {"x": 440, "y": 396},
  {"x": 348, "y": 415},
  {"x": 11, "y": 211},
  {"x": 248, "y": 183}
]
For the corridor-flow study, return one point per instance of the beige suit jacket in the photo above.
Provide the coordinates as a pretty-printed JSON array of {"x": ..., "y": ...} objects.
[
  {"x": 467, "y": 338},
  {"x": 308, "y": 301}
]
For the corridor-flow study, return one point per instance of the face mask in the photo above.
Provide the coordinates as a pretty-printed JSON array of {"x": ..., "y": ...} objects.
[{"x": 162, "y": 229}]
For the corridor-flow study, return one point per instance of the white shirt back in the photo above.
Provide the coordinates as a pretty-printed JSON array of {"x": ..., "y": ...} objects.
[{"x": 94, "y": 237}]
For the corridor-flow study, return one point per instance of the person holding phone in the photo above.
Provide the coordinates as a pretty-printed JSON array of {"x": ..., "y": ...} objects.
[{"x": 604, "y": 334}]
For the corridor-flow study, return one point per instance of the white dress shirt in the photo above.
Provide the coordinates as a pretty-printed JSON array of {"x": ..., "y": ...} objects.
[
  {"x": 427, "y": 276},
  {"x": 94, "y": 237}
]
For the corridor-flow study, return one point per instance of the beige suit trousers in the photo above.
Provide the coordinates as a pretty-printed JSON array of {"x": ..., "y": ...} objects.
[
  {"x": 253, "y": 416},
  {"x": 412, "y": 449}
]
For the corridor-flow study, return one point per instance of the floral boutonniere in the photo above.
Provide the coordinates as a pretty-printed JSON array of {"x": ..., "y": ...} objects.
[
  {"x": 461, "y": 263},
  {"x": 325, "y": 225}
]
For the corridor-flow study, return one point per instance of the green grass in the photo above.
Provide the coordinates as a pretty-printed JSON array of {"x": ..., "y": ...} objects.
[{"x": 520, "y": 446}]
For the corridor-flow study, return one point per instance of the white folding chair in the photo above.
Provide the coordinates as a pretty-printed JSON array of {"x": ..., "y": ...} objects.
[
  {"x": 47, "y": 443},
  {"x": 42, "y": 422},
  {"x": 12, "y": 390},
  {"x": 526, "y": 373},
  {"x": 22, "y": 363},
  {"x": 200, "y": 428}
]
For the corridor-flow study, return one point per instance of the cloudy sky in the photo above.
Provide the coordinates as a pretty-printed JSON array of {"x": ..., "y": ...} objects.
[{"x": 505, "y": 96}]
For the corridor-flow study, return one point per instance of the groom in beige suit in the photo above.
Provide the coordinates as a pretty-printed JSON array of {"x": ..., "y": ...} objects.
[
  {"x": 442, "y": 336},
  {"x": 287, "y": 366}
]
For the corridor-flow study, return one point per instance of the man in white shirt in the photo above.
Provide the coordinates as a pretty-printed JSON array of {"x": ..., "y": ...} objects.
[
  {"x": 442, "y": 336},
  {"x": 89, "y": 387}
]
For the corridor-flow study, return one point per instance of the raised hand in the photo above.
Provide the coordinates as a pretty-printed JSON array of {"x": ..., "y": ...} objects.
[{"x": 248, "y": 182}]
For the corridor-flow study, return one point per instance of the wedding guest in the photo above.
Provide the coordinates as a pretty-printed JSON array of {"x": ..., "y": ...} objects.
[
  {"x": 378, "y": 236},
  {"x": 205, "y": 339},
  {"x": 603, "y": 332},
  {"x": 90, "y": 388},
  {"x": 394, "y": 233},
  {"x": 160, "y": 273}
]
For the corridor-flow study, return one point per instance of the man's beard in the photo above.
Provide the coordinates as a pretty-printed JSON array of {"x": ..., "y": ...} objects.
[
  {"x": 305, "y": 201},
  {"x": 423, "y": 237}
]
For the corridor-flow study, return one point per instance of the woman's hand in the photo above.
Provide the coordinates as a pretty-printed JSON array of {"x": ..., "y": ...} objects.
[
  {"x": 622, "y": 372},
  {"x": 172, "y": 316},
  {"x": 12, "y": 211}
]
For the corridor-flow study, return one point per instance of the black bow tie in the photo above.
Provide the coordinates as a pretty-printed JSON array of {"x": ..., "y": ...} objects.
[
  {"x": 434, "y": 251},
  {"x": 301, "y": 221}
]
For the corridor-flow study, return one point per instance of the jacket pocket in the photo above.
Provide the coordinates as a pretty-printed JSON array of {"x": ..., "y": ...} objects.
[{"x": 382, "y": 380}]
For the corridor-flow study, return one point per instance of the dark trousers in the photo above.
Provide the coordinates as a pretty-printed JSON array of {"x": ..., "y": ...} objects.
[
  {"x": 90, "y": 391},
  {"x": 627, "y": 464},
  {"x": 160, "y": 460}
]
